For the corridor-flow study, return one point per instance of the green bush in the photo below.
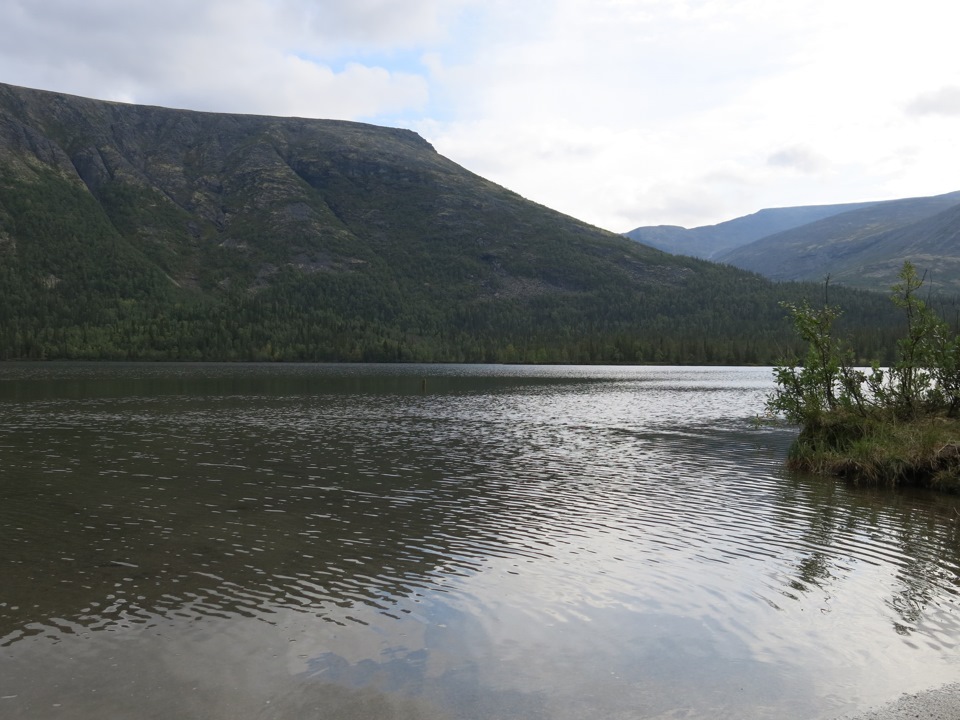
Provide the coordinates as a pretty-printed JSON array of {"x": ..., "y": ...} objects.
[{"x": 892, "y": 426}]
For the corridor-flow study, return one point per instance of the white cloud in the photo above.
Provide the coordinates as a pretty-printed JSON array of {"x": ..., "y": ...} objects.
[
  {"x": 371, "y": 23},
  {"x": 945, "y": 101},
  {"x": 226, "y": 55},
  {"x": 798, "y": 157},
  {"x": 699, "y": 107},
  {"x": 621, "y": 112},
  {"x": 290, "y": 86}
]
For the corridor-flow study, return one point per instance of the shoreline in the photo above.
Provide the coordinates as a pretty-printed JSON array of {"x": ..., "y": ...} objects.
[
  {"x": 940, "y": 703},
  {"x": 881, "y": 450}
]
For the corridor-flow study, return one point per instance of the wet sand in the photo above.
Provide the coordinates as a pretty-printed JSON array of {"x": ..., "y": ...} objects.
[{"x": 941, "y": 703}]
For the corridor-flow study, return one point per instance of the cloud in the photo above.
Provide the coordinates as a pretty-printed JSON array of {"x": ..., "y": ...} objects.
[
  {"x": 667, "y": 201},
  {"x": 619, "y": 112},
  {"x": 800, "y": 158},
  {"x": 250, "y": 56},
  {"x": 380, "y": 24},
  {"x": 945, "y": 101},
  {"x": 673, "y": 93}
]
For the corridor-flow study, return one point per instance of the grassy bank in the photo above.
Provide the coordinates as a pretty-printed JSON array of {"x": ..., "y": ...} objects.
[
  {"x": 887, "y": 426},
  {"x": 922, "y": 452}
]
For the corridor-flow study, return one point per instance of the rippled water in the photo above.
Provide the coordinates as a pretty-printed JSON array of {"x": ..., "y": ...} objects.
[{"x": 209, "y": 541}]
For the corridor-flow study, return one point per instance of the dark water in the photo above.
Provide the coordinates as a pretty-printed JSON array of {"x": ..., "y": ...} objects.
[{"x": 190, "y": 541}]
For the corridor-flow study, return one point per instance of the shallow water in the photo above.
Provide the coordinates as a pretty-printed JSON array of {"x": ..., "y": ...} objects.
[{"x": 250, "y": 541}]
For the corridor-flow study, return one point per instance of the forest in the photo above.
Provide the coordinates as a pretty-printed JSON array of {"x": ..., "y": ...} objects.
[{"x": 139, "y": 233}]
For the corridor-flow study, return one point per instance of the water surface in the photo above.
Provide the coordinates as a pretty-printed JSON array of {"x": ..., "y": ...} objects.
[{"x": 252, "y": 541}]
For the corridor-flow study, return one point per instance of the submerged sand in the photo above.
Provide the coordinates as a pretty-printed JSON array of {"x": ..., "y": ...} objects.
[{"x": 941, "y": 703}]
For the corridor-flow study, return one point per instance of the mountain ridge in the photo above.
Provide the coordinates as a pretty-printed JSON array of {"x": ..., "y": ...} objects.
[
  {"x": 710, "y": 241},
  {"x": 864, "y": 247},
  {"x": 858, "y": 244},
  {"x": 138, "y": 232}
]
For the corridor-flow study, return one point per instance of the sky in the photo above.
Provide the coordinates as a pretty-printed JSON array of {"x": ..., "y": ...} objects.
[{"x": 622, "y": 113}]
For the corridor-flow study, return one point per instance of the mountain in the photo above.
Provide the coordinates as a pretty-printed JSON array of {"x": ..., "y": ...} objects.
[
  {"x": 864, "y": 247},
  {"x": 711, "y": 241},
  {"x": 133, "y": 232}
]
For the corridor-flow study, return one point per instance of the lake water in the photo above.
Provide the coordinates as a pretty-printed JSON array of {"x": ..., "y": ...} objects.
[{"x": 310, "y": 541}]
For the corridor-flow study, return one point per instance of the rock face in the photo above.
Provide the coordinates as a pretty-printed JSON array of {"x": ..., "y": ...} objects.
[
  {"x": 212, "y": 198},
  {"x": 179, "y": 184}
]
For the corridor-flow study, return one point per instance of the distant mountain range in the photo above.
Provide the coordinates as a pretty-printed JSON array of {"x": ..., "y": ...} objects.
[{"x": 862, "y": 244}]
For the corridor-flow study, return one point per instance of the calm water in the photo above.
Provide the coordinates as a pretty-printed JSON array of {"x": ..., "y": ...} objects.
[{"x": 195, "y": 541}]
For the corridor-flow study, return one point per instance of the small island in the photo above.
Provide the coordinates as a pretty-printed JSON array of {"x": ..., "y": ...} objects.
[{"x": 892, "y": 426}]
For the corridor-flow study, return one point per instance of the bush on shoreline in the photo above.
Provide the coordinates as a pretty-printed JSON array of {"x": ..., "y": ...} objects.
[{"x": 891, "y": 426}]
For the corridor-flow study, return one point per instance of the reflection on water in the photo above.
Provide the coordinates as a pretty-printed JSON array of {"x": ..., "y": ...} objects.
[{"x": 355, "y": 541}]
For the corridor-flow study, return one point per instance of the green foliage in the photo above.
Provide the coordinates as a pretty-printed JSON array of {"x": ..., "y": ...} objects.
[
  {"x": 144, "y": 233},
  {"x": 895, "y": 424},
  {"x": 87, "y": 282},
  {"x": 806, "y": 391}
]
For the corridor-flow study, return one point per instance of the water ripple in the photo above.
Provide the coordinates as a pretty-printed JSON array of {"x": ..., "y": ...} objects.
[{"x": 555, "y": 498}]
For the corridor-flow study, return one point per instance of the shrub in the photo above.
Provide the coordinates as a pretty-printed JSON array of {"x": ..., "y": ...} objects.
[{"x": 894, "y": 425}]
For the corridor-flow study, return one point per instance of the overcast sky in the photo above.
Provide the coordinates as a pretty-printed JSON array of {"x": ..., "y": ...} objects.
[{"x": 619, "y": 112}]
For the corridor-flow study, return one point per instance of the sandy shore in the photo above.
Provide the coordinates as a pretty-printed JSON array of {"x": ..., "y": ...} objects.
[{"x": 941, "y": 703}]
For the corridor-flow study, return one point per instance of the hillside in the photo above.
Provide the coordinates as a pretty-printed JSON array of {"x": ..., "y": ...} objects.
[
  {"x": 864, "y": 247},
  {"x": 711, "y": 241},
  {"x": 131, "y": 232}
]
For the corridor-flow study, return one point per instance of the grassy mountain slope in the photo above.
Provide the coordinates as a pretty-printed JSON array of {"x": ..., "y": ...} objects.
[
  {"x": 710, "y": 241},
  {"x": 932, "y": 244},
  {"x": 864, "y": 247},
  {"x": 148, "y": 233}
]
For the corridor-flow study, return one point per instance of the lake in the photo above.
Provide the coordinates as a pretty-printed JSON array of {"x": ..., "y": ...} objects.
[{"x": 323, "y": 541}]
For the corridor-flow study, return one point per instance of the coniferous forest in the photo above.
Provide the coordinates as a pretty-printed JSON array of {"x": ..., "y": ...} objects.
[{"x": 137, "y": 233}]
